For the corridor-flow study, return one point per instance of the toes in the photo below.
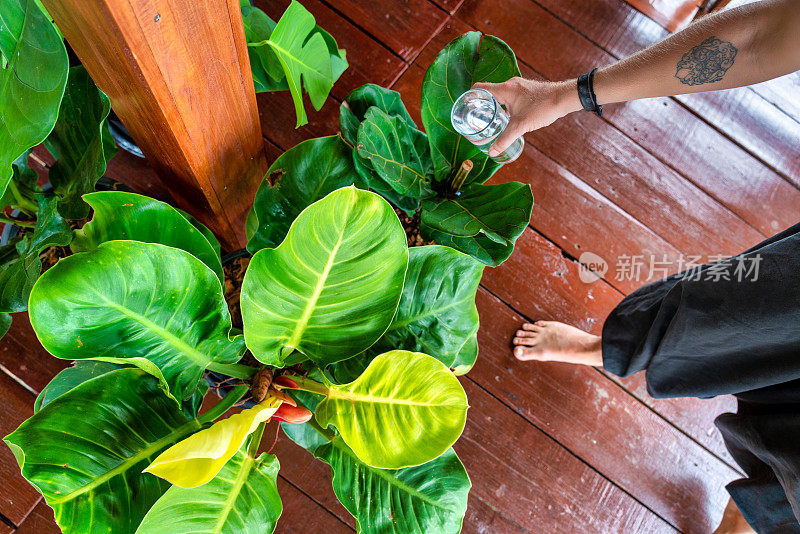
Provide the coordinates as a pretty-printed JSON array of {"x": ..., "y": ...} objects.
[
  {"x": 529, "y": 341},
  {"x": 543, "y": 323},
  {"x": 525, "y": 333},
  {"x": 525, "y": 353},
  {"x": 531, "y": 327}
]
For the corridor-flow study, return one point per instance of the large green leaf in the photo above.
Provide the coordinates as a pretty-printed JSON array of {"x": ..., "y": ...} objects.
[
  {"x": 85, "y": 450},
  {"x": 354, "y": 109},
  {"x": 406, "y": 409},
  {"x": 484, "y": 221},
  {"x": 243, "y": 498},
  {"x": 121, "y": 215},
  {"x": 268, "y": 73},
  {"x": 351, "y": 114},
  {"x": 306, "y": 173},
  {"x": 78, "y": 143},
  {"x": 143, "y": 304},
  {"x": 20, "y": 265},
  {"x": 467, "y": 60},
  {"x": 424, "y": 499},
  {"x": 437, "y": 313},
  {"x": 32, "y": 80},
  {"x": 304, "y": 55},
  {"x": 331, "y": 288},
  {"x": 398, "y": 153},
  {"x": 82, "y": 370},
  {"x": 70, "y": 378}
]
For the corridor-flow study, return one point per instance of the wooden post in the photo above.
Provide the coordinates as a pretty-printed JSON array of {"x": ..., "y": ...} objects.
[{"x": 178, "y": 76}]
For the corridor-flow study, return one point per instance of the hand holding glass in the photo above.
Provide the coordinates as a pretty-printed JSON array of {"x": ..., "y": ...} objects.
[{"x": 477, "y": 116}]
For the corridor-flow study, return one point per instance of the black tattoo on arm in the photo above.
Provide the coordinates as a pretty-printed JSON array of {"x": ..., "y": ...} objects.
[{"x": 707, "y": 62}]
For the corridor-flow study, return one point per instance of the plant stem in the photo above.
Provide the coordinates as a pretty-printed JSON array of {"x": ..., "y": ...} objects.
[
  {"x": 255, "y": 440},
  {"x": 22, "y": 203},
  {"x": 224, "y": 404},
  {"x": 26, "y": 224},
  {"x": 235, "y": 370},
  {"x": 306, "y": 384},
  {"x": 461, "y": 176},
  {"x": 328, "y": 434}
]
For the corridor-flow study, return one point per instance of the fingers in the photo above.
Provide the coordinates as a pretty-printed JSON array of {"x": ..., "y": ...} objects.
[
  {"x": 502, "y": 92},
  {"x": 513, "y": 131}
]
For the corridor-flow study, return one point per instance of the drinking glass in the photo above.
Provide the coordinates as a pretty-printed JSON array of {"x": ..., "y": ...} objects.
[{"x": 477, "y": 116}]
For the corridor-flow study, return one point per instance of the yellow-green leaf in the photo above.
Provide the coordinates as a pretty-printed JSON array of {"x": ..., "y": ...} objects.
[
  {"x": 198, "y": 458},
  {"x": 406, "y": 409}
]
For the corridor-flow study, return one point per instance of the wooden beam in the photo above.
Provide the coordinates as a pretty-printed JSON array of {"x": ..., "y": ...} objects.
[{"x": 178, "y": 76}]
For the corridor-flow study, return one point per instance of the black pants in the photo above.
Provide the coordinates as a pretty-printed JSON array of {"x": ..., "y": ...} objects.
[{"x": 729, "y": 327}]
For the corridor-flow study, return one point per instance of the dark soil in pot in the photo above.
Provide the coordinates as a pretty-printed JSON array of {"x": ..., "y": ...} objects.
[{"x": 411, "y": 226}]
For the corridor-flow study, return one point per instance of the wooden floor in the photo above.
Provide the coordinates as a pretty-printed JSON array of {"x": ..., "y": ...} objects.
[{"x": 549, "y": 447}]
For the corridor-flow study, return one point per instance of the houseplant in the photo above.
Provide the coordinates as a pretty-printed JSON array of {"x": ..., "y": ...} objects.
[
  {"x": 357, "y": 340},
  {"x": 439, "y": 173},
  {"x": 142, "y": 295}
]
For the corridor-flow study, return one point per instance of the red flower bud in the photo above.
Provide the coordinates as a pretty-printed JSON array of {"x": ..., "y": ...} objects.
[
  {"x": 292, "y": 414},
  {"x": 285, "y": 382}
]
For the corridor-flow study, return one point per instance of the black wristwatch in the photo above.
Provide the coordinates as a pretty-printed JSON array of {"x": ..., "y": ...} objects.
[{"x": 586, "y": 93}]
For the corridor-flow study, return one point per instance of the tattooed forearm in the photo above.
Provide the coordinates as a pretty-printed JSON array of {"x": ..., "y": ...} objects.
[{"x": 707, "y": 62}]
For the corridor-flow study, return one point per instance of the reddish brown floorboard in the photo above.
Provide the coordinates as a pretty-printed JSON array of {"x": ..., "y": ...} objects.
[{"x": 548, "y": 447}]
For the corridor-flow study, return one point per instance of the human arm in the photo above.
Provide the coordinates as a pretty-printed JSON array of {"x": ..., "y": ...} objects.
[{"x": 732, "y": 48}]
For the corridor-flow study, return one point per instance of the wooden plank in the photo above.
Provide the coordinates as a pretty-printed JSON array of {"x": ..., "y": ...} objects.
[
  {"x": 782, "y": 93},
  {"x": 17, "y": 496},
  {"x": 604, "y": 426},
  {"x": 482, "y": 518},
  {"x": 672, "y": 14},
  {"x": 450, "y": 6},
  {"x": 5, "y": 528},
  {"x": 203, "y": 137},
  {"x": 755, "y": 124},
  {"x": 40, "y": 521},
  {"x": 404, "y": 27},
  {"x": 277, "y": 120},
  {"x": 22, "y": 355},
  {"x": 537, "y": 483},
  {"x": 741, "y": 114},
  {"x": 301, "y": 515},
  {"x": 139, "y": 175}
]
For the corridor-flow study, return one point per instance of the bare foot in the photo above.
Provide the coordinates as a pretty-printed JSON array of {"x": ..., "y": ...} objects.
[{"x": 550, "y": 341}]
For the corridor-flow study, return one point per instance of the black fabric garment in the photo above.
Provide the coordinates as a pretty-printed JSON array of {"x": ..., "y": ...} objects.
[{"x": 698, "y": 334}]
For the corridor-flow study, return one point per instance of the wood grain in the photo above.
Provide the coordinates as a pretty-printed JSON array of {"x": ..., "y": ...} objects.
[
  {"x": 22, "y": 355},
  {"x": 40, "y": 521},
  {"x": 17, "y": 496},
  {"x": 556, "y": 492},
  {"x": 302, "y": 514},
  {"x": 179, "y": 77}
]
